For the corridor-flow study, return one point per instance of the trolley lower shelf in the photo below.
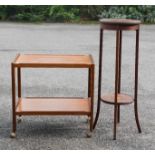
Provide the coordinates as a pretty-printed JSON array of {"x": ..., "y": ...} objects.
[{"x": 53, "y": 106}]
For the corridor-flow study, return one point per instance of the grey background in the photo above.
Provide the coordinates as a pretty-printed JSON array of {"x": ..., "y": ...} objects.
[{"x": 68, "y": 132}]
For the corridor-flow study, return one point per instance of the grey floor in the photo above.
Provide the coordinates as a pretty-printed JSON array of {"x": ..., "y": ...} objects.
[{"x": 69, "y": 132}]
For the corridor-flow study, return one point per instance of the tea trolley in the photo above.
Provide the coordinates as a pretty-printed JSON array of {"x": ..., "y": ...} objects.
[{"x": 54, "y": 105}]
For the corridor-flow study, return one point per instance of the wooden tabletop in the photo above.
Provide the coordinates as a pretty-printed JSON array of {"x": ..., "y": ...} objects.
[
  {"x": 119, "y": 21},
  {"x": 51, "y": 60}
]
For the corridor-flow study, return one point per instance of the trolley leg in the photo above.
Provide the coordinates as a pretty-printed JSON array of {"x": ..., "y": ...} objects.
[
  {"x": 13, "y": 134},
  {"x": 92, "y": 99},
  {"x": 19, "y": 119},
  {"x": 136, "y": 82},
  {"x": 99, "y": 80},
  {"x": 19, "y": 81},
  {"x": 89, "y": 95}
]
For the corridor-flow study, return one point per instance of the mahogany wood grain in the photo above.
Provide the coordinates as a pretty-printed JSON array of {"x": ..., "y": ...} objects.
[
  {"x": 119, "y": 21},
  {"x": 51, "y": 60},
  {"x": 118, "y": 98},
  {"x": 122, "y": 99},
  {"x": 119, "y": 24},
  {"x": 53, "y": 106}
]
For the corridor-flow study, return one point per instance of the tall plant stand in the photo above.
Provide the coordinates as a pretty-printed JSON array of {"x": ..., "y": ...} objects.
[{"x": 118, "y": 98}]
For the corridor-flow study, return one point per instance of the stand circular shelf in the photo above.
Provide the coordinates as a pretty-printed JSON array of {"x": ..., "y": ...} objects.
[{"x": 122, "y": 99}]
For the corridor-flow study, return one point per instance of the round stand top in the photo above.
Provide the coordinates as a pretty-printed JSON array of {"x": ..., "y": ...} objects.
[
  {"x": 120, "y": 24},
  {"x": 120, "y": 21}
]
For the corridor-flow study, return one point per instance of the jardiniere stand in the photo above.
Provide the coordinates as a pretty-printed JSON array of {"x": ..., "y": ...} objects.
[{"x": 118, "y": 98}]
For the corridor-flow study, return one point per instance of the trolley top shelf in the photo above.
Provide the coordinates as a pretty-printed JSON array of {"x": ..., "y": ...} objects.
[{"x": 51, "y": 60}]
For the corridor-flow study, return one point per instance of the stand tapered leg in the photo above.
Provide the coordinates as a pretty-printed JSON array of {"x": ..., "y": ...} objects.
[
  {"x": 116, "y": 82},
  {"x": 118, "y": 115},
  {"x": 120, "y": 63},
  {"x": 115, "y": 121},
  {"x": 136, "y": 82},
  {"x": 99, "y": 79}
]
